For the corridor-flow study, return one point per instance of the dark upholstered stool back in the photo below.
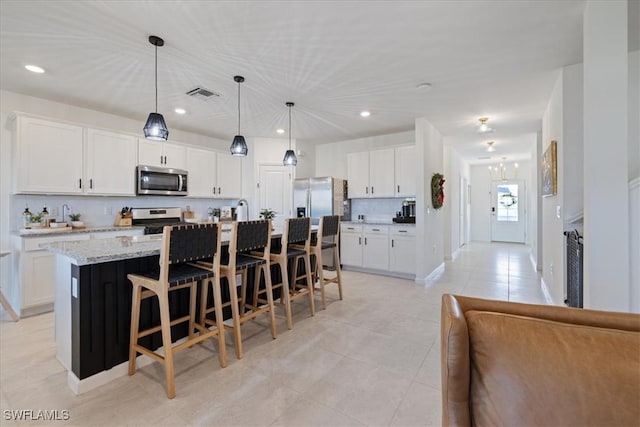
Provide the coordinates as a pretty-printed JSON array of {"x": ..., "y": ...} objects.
[
  {"x": 298, "y": 229},
  {"x": 330, "y": 225},
  {"x": 188, "y": 243},
  {"x": 252, "y": 235}
]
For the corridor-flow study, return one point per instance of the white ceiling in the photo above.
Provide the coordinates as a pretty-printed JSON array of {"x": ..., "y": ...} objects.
[{"x": 333, "y": 59}]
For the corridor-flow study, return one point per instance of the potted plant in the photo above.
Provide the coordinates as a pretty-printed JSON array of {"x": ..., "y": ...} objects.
[
  {"x": 36, "y": 220},
  {"x": 267, "y": 214},
  {"x": 75, "y": 220}
]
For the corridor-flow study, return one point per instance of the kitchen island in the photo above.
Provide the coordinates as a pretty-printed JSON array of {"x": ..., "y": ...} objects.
[{"x": 93, "y": 305}]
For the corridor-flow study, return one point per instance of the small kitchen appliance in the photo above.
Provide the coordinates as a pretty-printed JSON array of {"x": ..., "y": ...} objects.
[{"x": 408, "y": 212}]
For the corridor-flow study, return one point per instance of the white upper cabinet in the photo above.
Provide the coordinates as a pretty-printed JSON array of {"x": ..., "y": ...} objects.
[
  {"x": 370, "y": 174},
  {"x": 201, "y": 168},
  {"x": 381, "y": 168},
  {"x": 110, "y": 163},
  {"x": 48, "y": 157},
  {"x": 405, "y": 171},
  {"x": 358, "y": 175},
  {"x": 213, "y": 175},
  {"x": 161, "y": 154},
  {"x": 228, "y": 176}
]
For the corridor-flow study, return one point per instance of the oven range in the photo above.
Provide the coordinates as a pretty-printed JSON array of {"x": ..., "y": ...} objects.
[{"x": 154, "y": 219}]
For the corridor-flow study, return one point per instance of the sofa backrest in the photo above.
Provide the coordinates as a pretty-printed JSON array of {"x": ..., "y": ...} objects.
[{"x": 521, "y": 364}]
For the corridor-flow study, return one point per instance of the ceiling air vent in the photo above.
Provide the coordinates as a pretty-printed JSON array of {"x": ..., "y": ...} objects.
[{"x": 202, "y": 93}]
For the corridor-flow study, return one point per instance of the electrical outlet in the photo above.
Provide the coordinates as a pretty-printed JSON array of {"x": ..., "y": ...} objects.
[{"x": 108, "y": 210}]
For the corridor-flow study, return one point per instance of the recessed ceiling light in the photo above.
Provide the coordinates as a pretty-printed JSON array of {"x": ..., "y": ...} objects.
[
  {"x": 180, "y": 111},
  {"x": 280, "y": 131},
  {"x": 34, "y": 69},
  {"x": 365, "y": 113},
  {"x": 424, "y": 86}
]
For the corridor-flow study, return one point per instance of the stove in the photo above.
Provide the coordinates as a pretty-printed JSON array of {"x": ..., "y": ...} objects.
[{"x": 154, "y": 219}]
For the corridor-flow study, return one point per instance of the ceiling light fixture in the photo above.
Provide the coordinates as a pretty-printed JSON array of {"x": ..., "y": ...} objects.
[
  {"x": 424, "y": 86},
  {"x": 239, "y": 145},
  {"x": 490, "y": 147},
  {"x": 484, "y": 127},
  {"x": 156, "y": 128},
  {"x": 290, "y": 156},
  {"x": 180, "y": 111},
  {"x": 34, "y": 69},
  {"x": 280, "y": 131},
  {"x": 365, "y": 113}
]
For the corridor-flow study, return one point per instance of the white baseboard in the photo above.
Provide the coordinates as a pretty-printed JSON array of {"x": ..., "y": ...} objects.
[
  {"x": 429, "y": 276},
  {"x": 545, "y": 291}
]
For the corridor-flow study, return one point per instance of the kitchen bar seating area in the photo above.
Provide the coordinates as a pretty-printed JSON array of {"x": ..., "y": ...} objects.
[{"x": 201, "y": 291}]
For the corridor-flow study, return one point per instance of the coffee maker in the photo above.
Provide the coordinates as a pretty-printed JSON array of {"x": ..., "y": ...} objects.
[{"x": 408, "y": 212}]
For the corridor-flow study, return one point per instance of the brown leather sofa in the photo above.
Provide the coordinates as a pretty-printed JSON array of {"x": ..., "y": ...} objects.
[{"x": 510, "y": 364}]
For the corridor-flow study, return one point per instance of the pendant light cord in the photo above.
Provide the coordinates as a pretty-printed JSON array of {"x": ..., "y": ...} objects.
[
  {"x": 238, "y": 108},
  {"x": 156, "y": 78},
  {"x": 289, "y": 127}
]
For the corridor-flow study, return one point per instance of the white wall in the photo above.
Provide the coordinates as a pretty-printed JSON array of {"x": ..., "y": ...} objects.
[
  {"x": 535, "y": 202},
  {"x": 634, "y": 114},
  {"x": 455, "y": 171},
  {"x": 634, "y": 245},
  {"x": 606, "y": 144},
  {"x": 429, "y": 222}
]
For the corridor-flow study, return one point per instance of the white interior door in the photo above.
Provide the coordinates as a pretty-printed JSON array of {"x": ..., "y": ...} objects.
[
  {"x": 507, "y": 211},
  {"x": 275, "y": 191},
  {"x": 462, "y": 220}
]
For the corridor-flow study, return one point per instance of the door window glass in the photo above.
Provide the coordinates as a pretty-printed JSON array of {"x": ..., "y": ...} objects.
[{"x": 507, "y": 202}]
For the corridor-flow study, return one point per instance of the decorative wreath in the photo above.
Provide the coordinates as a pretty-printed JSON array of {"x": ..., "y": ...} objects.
[{"x": 437, "y": 190}]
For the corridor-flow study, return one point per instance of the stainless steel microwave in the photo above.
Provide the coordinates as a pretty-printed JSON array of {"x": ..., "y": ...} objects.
[{"x": 161, "y": 181}]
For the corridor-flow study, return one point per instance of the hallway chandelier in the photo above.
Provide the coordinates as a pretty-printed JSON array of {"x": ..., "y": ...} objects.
[
  {"x": 239, "y": 145},
  {"x": 290, "y": 156},
  {"x": 156, "y": 128},
  {"x": 501, "y": 173}
]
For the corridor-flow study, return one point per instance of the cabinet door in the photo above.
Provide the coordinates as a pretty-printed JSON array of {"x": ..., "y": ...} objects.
[
  {"x": 201, "y": 166},
  {"x": 351, "y": 249},
  {"x": 39, "y": 275},
  {"x": 405, "y": 171},
  {"x": 381, "y": 175},
  {"x": 49, "y": 157},
  {"x": 111, "y": 163},
  {"x": 229, "y": 176},
  {"x": 358, "y": 175},
  {"x": 402, "y": 254},
  {"x": 376, "y": 251},
  {"x": 150, "y": 153},
  {"x": 175, "y": 156}
]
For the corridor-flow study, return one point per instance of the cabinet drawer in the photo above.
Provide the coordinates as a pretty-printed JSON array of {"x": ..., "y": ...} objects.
[
  {"x": 402, "y": 231},
  {"x": 351, "y": 228},
  {"x": 35, "y": 244},
  {"x": 376, "y": 229}
]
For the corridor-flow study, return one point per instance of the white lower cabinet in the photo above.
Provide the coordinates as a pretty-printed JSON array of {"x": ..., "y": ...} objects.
[
  {"x": 402, "y": 251},
  {"x": 35, "y": 288},
  {"x": 383, "y": 248}
]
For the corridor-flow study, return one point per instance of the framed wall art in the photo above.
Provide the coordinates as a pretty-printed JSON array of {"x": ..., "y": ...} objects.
[{"x": 550, "y": 170}]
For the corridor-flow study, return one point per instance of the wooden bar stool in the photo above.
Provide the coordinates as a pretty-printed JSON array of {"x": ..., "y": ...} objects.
[
  {"x": 295, "y": 245},
  {"x": 248, "y": 248},
  {"x": 329, "y": 228},
  {"x": 182, "y": 245}
]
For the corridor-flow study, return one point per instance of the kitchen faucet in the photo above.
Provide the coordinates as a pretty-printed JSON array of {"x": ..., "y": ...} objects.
[{"x": 65, "y": 207}]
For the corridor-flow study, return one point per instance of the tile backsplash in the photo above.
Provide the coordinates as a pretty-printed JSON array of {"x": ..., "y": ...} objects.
[{"x": 375, "y": 210}]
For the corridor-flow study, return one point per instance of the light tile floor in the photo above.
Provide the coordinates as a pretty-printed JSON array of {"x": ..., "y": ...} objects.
[{"x": 371, "y": 359}]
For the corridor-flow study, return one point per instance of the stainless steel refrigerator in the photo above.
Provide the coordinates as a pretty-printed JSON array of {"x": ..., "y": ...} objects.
[{"x": 316, "y": 197}]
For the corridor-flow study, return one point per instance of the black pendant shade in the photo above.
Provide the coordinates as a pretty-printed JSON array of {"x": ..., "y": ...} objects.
[
  {"x": 239, "y": 145},
  {"x": 290, "y": 158},
  {"x": 156, "y": 128}
]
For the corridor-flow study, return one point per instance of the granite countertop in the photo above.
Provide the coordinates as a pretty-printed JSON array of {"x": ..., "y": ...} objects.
[
  {"x": 40, "y": 232},
  {"x": 96, "y": 251},
  {"x": 378, "y": 223}
]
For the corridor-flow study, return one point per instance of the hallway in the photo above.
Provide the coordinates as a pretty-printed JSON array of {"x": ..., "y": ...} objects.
[{"x": 372, "y": 359}]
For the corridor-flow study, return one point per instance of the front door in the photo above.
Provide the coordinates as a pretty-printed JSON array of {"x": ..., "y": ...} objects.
[
  {"x": 275, "y": 191},
  {"x": 507, "y": 211}
]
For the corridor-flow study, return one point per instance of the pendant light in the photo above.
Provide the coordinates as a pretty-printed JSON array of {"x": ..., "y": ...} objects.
[
  {"x": 156, "y": 128},
  {"x": 290, "y": 157},
  {"x": 239, "y": 145}
]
